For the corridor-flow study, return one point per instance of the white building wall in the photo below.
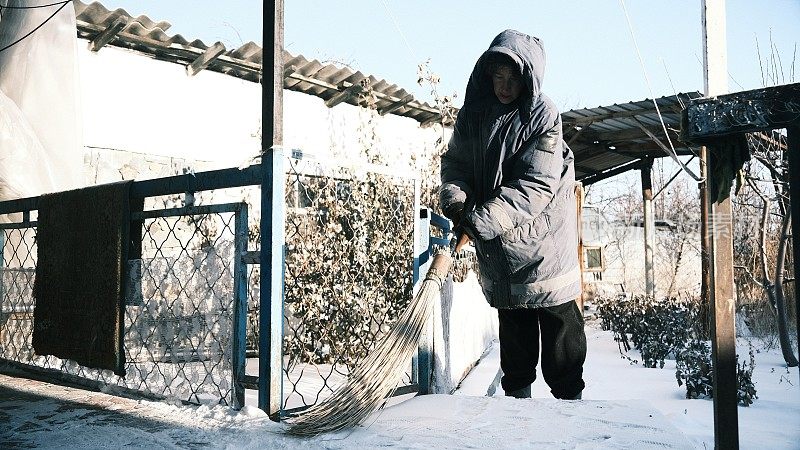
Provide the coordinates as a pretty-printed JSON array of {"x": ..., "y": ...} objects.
[
  {"x": 137, "y": 104},
  {"x": 624, "y": 262}
]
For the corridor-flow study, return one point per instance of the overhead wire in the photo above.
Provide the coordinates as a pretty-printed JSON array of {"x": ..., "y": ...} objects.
[
  {"x": 730, "y": 75},
  {"x": 680, "y": 101},
  {"x": 34, "y": 6},
  {"x": 63, "y": 4},
  {"x": 655, "y": 103},
  {"x": 677, "y": 97},
  {"x": 399, "y": 31}
]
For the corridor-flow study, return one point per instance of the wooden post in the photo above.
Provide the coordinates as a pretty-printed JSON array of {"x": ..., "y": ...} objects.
[
  {"x": 721, "y": 287},
  {"x": 723, "y": 333},
  {"x": 793, "y": 147},
  {"x": 649, "y": 229},
  {"x": 705, "y": 247},
  {"x": 581, "y": 262},
  {"x": 270, "y": 364},
  {"x": 715, "y": 52}
]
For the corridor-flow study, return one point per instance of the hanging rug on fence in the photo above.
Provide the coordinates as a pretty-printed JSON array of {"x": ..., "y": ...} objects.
[{"x": 82, "y": 238}]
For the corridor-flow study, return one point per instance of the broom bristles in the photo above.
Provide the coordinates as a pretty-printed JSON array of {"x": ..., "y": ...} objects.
[{"x": 378, "y": 375}]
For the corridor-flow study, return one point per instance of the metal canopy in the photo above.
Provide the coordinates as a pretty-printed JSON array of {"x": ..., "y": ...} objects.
[{"x": 609, "y": 140}]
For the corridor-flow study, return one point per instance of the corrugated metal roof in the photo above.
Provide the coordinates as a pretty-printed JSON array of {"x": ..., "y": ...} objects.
[
  {"x": 602, "y": 138},
  {"x": 608, "y": 137},
  {"x": 326, "y": 81}
]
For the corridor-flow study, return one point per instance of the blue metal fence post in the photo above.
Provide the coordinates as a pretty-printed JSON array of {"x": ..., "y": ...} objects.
[
  {"x": 239, "y": 306},
  {"x": 415, "y": 272},
  {"x": 424, "y": 358},
  {"x": 270, "y": 363},
  {"x": 417, "y": 234},
  {"x": 425, "y": 351}
]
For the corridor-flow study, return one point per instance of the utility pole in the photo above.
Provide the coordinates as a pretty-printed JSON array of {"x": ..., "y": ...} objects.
[
  {"x": 270, "y": 340},
  {"x": 719, "y": 235}
]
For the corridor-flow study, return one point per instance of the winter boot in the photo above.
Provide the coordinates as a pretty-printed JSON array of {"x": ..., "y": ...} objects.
[
  {"x": 577, "y": 396},
  {"x": 520, "y": 393}
]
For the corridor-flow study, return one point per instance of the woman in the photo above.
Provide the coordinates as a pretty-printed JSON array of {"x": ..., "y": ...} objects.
[{"x": 508, "y": 182}]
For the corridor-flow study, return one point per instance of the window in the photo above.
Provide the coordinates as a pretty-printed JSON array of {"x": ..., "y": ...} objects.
[{"x": 593, "y": 259}]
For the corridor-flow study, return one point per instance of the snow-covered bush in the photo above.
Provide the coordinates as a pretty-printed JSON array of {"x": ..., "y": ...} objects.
[
  {"x": 693, "y": 368},
  {"x": 746, "y": 388},
  {"x": 657, "y": 328},
  {"x": 348, "y": 265},
  {"x": 663, "y": 328}
]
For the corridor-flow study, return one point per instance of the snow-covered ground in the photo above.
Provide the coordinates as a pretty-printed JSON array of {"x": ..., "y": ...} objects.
[
  {"x": 624, "y": 406},
  {"x": 772, "y": 421}
]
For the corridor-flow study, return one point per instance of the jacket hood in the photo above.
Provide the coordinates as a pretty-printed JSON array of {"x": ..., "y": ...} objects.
[{"x": 526, "y": 52}]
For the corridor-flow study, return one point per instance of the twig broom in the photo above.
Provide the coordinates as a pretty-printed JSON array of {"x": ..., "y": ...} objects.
[{"x": 378, "y": 375}]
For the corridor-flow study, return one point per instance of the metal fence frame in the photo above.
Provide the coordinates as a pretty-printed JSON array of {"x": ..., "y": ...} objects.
[
  {"x": 269, "y": 175},
  {"x": 273, "y": 215},
  {"x": 240, "y": 211},
  {"x": 425, "y": 244}
]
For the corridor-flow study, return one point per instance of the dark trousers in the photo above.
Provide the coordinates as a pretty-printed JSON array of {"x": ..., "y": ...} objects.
[{"x": 563, "y": 348}]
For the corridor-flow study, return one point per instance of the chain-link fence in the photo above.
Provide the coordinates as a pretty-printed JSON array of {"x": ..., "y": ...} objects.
[
  {"x": 349, "y": 268},
  {"x": 348, "y": 272},
  {"x": 179, "y": 312},
  {"x": 16, "y": 290}
]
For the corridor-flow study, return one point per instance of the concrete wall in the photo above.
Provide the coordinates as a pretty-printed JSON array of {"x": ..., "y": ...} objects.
[{"x": 464, "y": 328}]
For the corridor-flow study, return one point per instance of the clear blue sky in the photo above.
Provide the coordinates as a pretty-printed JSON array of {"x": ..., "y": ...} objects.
[{"x": 591, "y": 57}]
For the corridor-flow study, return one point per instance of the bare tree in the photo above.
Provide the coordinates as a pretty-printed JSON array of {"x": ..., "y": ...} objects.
[
  {"x": 678, "y": 242},
  {"x": 766, "y": 177}
]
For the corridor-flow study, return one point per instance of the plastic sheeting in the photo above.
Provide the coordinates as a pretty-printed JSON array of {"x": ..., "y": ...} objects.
[
  {"x": 41, "y": 146},
  {"x": 24, "y": 168}
]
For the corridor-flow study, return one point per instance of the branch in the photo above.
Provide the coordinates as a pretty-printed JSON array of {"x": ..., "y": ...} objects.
[
  {"x": 778, "y": 182},
  {"x": 747, "y": 271},
  {"x": 780, "y": 299},
  {"x": 755, "y": 178}
]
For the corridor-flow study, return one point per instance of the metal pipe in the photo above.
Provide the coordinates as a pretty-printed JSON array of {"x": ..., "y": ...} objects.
[
  {"x": 649, "y": 230},
  {"x": 239, "y": 307}
]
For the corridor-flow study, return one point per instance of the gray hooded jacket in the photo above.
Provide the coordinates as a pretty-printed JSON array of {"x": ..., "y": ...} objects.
[{"x": 511, "y": 163}]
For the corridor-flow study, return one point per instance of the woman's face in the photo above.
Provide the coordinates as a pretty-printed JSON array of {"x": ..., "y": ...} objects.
[{"x": 507, "y": 84}]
